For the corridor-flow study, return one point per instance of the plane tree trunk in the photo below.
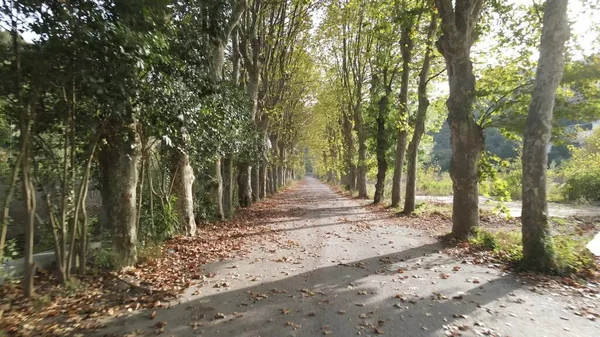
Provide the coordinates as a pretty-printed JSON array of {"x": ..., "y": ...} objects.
[
  {"x": 406, "y": 46},
  {"x": 413, "y": 147},
  {"x": 119, "y": 160},
  {"x": 466, "y": 136},
  {"x": 538, "y": 251}
]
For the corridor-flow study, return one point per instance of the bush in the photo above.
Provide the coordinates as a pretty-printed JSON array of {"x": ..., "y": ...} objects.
[
  {"x": 506, "y": 245},
  {"x": 570, "y": 254},
  {"x": 431, "y": 181},
  {"x": 572, "y": 257},
  {"x": 106, "y": 259},
  {"x": 582, "y": 172}
]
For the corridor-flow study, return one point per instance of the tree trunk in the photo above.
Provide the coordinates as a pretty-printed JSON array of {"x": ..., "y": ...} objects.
[
  {"x": 219, "y": 176},
  {"x": 244, "y": 185},
  {"x": 466, "y": 136},
  {"x": 281, "y": 172},
  {"x": 361, "y": 179},
  {"x": 262, "y": 180},
  {"x": 413, "y": 147},
  {"x": 255, "y": 180},
  {"x": 30, "y": 205},
  {"x": 381, "y": 149},
  {"x": 349, "y": 153},
  {"x": 538, "y": 251},
  {"x": 183, "y": 181},
  {"x": 406, "y": 47},
  {"x": 227, "y": 174},
  {"x": 118, "y": 165},
  {"x": 398, "y": 166}
]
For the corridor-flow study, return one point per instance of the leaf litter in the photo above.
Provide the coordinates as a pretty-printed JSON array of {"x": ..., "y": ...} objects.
[{"x": 150, "y": 284}]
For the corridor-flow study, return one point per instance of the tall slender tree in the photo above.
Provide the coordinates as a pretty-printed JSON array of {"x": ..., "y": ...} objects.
[
  {"x": 419, "y": 120},
  {"x": 537, "y": 244}
]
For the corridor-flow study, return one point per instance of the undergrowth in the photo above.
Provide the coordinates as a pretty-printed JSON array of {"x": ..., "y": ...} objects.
[{"x": 572, "y": 258}]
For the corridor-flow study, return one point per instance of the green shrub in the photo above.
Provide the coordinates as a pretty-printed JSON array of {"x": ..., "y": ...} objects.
[
  {"x": 506, "y": 245},
  {"x": 106, "y": 259},
  {"x": 160, "y": 225},
  {"x": 572, "y": 257},
  {"x": 570, "y": 254},
  {"x": 432, "y": 181},
  {"x": 582, "y": 173}
]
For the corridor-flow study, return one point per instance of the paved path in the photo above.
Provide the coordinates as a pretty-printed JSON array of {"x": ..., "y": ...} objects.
[
  {"x": 340, "y": 270},
  {"x": 514, "y": 207}
]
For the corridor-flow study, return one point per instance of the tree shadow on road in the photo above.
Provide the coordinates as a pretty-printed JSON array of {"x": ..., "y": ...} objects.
[{"x": 336, "y": 300}]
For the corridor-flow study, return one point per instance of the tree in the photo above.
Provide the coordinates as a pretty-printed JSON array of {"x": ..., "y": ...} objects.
[
  {"x": 466, "y": 136},
  {"x": 384, "y": 69},
  {"x": 406, "y": 45},
  {"x": 419, "y": 124},
  {"x": 537, "y": 244}
]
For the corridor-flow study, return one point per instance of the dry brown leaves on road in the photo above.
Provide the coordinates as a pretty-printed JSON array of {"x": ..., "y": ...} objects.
[{"x": 78, "y": 307}]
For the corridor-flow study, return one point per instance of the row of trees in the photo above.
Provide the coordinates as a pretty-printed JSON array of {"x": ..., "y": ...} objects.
[
  {"x": 175, "y": 110},
  {"x": 383, "y": 58}
]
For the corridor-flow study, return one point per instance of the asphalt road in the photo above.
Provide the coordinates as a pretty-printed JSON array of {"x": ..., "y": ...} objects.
[{"x": 340, "y": 270}]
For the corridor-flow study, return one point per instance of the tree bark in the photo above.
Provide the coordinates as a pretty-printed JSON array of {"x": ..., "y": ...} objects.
[
  {"x": 183, "y": 182},
  {"x": 227, "y": 174},
  {"x": 349, "y": 153},
  {"x": 255, "y": 180},
  {"x": 119, "y": 160},
  {"x": 413, "y": 147},
  {"x": 262, "y": 180},
  {"x": 219, "y": 176},
  {"x": 361, "y": 179},
  {"x": 382, "y": 165},
  {"x": 406, "y": 47},
  {"x": 244, "y": 185},
  {"x": 466, "y": 136},
  {"x": 538, "y": 251},
  {"x": 29, "y": 199}
]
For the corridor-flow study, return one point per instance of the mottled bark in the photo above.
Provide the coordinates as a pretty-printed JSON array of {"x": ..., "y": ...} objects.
[
  {"x": 413, "y": 147},
  {"x": 406, "y": 47},
  {"x": 349, "y": 153},
  {"x": 227, "y": 174},
  {"x": 262, "y": 181},
  {"x": 382, "y": 164},
  {"x": 183, "y": 181},
  {"x": 466, "y": 136},
  {"x": 219, "y": 177},
  {"x": 270, "y": 189},
  {"x": 281, "y": 169},
  {"x": 255, "y": 181},
  {"x": 244, "y": 185},
  {"x": 119, "y": 160},
  {"x": 29, "y": 199},
  {"x": 538, "y": 252},
  {"x": 361, "y": 178}
]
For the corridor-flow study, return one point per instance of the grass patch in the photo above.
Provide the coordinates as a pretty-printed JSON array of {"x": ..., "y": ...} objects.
[
  {"x": 429, "y": 208},
  {"x": 572, "y": 258},
  {"x": 432, "y": 181},
  {"x": 505, "y": 245}
]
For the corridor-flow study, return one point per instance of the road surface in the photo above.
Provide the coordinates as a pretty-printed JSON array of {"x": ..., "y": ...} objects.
[{"x": 340, "y": 270}]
